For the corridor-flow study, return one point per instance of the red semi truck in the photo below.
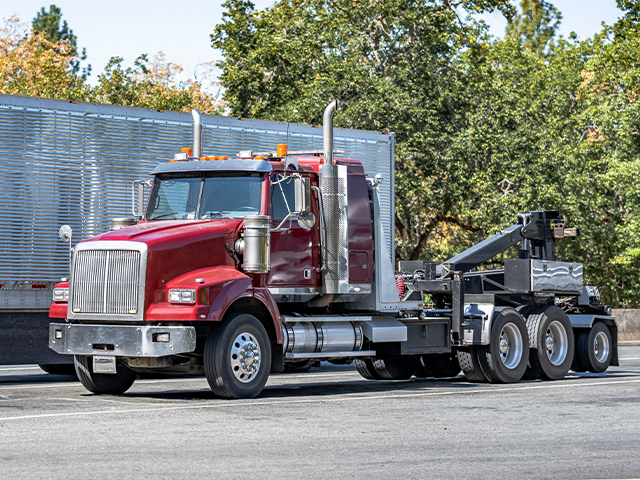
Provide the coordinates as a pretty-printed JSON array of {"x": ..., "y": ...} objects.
[{"x": 240, "y": 265}]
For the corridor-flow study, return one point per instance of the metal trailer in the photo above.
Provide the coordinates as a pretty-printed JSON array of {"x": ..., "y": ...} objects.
[{"x": 74, "y": 163}]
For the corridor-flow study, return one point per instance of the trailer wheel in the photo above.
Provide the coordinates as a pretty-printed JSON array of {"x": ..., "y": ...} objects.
[
  {"x": 594, "y": 348},
  {"x": 468, "y": 362},
  {"x": 395, "y": 368},
  {"x": 237, "y": 357},
  {"x": 103, "y": 383},
  {"x": 551, "y": 343},
  {"x": 505, "y": 359},
  {"x": 364, "y": 366},
  {"x": 442, "y": 365}
]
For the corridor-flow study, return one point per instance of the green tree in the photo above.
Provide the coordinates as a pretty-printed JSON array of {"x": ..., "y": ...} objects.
[
  {"x": 391, "y": 63},
  {"x": 153, "y": 84},
  {"x": 32, "y": 65},
  {"x": 55, "y": 32},
  {"x": 536, "y": 25}
]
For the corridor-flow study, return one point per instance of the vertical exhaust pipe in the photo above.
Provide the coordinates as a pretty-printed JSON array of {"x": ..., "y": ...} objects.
[
  {"x": 327, "y": 131},
  {"x": 333, "y": 185},
  {"x": 197, "y": 133}
]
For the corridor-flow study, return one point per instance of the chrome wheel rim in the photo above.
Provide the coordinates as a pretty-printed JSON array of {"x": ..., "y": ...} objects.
[
  {"x": 245, "y": 357},
  {"x": 556, "y": 343},
  {"x": 601, "y": 347},
  {"x": 511, "y": 346}
]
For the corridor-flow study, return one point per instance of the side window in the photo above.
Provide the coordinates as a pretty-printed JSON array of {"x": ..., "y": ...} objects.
[{"x": 282, "y": 198}]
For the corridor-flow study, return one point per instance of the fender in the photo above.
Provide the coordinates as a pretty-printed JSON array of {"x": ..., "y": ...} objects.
[
  {"x": 264, "y": 295},
  {"x": 216, "y": 289}
]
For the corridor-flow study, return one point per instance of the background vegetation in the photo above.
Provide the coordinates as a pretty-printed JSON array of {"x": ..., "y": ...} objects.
[{"x": 485, "y": 127}]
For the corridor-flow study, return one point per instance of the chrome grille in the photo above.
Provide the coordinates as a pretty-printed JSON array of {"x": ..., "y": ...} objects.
[{"x": 106, "y": 282}]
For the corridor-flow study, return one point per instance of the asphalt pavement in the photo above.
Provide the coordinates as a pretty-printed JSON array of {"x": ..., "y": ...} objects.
[{"x": 327, "y": 423}]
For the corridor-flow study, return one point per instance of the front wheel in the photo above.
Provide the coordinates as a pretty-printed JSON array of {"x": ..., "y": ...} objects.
[
  {"x": 103, "y": 383},
  {"x": 237, "y": 357},
  {"x": 505, "y": 359}
]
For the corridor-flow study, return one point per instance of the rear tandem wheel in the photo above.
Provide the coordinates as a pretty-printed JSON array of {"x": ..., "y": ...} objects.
[{"x": 505, "y": 359}]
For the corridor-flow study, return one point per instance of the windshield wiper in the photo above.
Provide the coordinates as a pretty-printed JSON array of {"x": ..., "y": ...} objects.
[
  {"x": 164, "y": 215},
  {"x": 212, "y": 213}
]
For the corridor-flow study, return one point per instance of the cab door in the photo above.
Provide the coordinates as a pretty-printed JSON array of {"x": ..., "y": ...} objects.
[{"x": 294, "y": 250}]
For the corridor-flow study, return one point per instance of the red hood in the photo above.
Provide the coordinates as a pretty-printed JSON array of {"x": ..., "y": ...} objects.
[
  {"x": 174, "y": 231},
  {"x": 178, "y": 247}
]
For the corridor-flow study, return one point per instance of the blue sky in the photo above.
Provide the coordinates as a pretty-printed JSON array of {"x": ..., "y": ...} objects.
[{"x": 181, "y": 29}]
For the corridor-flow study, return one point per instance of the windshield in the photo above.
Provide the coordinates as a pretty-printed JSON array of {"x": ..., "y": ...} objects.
[{"x": 208, "y": 196}]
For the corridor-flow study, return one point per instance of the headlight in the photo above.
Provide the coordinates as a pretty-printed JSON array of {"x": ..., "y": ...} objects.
[
  {"x": 60, "y": 294},
  {"x": 182, "y": 295}
]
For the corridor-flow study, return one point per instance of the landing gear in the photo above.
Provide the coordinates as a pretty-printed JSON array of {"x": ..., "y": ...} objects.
[{"x": 237, "y": 357}]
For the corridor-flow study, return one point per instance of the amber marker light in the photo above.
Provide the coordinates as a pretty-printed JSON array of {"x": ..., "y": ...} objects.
[
  {"x": 281, "y": 150},
  {"x": 186, "y": 150}
]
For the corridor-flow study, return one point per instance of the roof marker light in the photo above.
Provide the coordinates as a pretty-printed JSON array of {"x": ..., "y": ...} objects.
[{"x": 281, "y": 150}]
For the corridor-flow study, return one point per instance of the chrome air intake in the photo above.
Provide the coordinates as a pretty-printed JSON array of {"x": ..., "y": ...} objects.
[{"x": 256, "y": 249}]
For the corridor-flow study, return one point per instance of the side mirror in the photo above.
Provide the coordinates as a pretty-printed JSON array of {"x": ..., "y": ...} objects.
[
  {"x": 307, "y": 220},
  {"x": 302, "y": 189},
  {"x": 65, "y": 233},
  {"x": 137, "y": 198}
]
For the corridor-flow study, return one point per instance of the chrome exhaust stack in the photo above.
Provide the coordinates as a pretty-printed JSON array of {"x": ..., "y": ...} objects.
[
  {"x": 327, "y": 131},
  {"x": 333, "y": 185},
  {"x": 197, "y": 133}
]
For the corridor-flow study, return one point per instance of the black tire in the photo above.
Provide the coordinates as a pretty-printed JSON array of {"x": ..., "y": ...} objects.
[
  {"x": 237, "y": 357},
  {"x": 551, "y": 343},
  {"x": 505, "y": 359},
  {"x": 364, "y": 366},
  {"x": 576, "y": 365},
  {"x": 103, "y": 383},
  {"x": 468, "y": 362},
  {"x": 444, "y": 365},
  {"x": 595, "y": 348},
  {"x": 395, "y": 368}
]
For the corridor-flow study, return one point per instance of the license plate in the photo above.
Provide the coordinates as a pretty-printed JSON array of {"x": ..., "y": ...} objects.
[{"x": 103, "y": 364}]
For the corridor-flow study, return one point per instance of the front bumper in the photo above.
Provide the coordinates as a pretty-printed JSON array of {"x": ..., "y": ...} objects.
[{"x": 120, "y": 340}]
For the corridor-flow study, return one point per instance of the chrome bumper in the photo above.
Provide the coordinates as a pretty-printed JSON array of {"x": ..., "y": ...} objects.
[{"x": 120, "y": 340}]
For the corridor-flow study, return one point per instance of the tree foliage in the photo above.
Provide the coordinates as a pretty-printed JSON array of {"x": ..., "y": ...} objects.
[
  {"x": 486, "y": 128},
  {"x": 152, "y": 84},
  {"x": 49, "y": 23},
  {"x": 44, "y": 62},
  {"x": 30, "y": 64},
  {"x": 536, "y": 26}
]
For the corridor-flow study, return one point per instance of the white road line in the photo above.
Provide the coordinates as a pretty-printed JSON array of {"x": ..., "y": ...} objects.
[
  {"x": 14, "y": 386},
  {"x": 332, "y": 399},
  {"x": 17, "y": 367}
]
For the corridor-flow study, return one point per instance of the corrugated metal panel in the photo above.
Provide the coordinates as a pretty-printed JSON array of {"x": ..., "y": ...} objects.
[{"x": 74, "y": 163}]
